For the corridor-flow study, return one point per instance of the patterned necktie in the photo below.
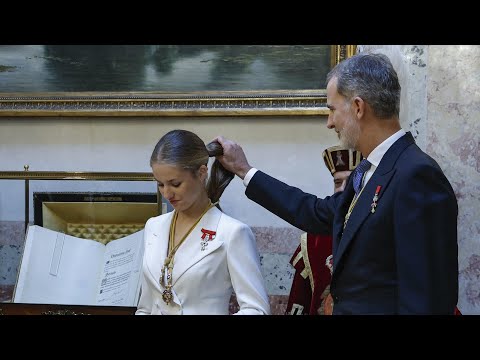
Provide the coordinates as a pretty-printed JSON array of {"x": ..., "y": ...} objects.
[{"x": 358, "y": 174}]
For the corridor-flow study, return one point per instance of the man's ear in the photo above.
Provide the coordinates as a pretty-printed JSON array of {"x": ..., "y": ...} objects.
[{"x": 359, "y": 106}]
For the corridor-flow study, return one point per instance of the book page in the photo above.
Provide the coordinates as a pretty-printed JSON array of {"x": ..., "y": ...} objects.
[
  {"x": 122, "y": 266},
  {"x": 58, "y": 268}
]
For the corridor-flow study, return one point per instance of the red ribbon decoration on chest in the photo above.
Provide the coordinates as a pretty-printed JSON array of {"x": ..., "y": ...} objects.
[
  {"x": 210, "y": 233},
  {"x": 375, "y": 199}
]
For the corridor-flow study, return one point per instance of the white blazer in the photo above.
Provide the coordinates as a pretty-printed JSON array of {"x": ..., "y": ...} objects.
[{"x": 203, "y": 280}]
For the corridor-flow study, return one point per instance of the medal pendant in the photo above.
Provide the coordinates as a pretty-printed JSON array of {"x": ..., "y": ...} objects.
[{"x": 167, "y": 296}]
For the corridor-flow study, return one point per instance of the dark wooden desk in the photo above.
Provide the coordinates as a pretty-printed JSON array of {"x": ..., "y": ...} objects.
[{"x": 51, "y": 309}]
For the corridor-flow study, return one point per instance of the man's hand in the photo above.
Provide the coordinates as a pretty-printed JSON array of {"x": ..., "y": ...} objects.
[
  {"x": 328, "y": 305},
  {"x": 233, "y": 158}
]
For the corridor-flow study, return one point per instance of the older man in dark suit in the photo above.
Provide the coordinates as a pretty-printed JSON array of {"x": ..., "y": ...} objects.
[{"x": 395, "y": 245}]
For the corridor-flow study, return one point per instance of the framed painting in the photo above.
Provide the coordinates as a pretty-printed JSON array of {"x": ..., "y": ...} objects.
[{"x": 166, "y": 80}]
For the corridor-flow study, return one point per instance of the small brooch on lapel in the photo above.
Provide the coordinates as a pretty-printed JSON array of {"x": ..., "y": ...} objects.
[
  {"x": 375, "y": 198},
  {"x": 207, "y": 235}
]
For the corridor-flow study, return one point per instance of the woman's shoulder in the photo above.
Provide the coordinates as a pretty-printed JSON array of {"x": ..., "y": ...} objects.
[
  {"x": 157, "y": 219},
  {"x": 232, "y": 222}
]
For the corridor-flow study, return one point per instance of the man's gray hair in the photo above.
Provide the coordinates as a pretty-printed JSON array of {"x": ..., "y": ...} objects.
[{"x": 372, "y": 78}]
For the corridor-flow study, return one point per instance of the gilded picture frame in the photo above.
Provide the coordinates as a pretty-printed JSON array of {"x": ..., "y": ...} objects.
[{"x": 218, "y": 102}]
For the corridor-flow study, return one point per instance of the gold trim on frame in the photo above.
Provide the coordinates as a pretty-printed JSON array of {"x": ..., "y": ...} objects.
[
  {"x": 76, "y": 175},
  {"x": 205, "y": 103},
  {"x": 342, "y": 52}
]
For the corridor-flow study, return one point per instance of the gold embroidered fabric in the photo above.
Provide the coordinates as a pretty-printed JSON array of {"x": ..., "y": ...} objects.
[{"x": 103, "y": 233}]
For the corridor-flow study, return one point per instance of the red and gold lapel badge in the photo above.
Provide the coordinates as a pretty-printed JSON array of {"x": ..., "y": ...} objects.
[
  {"x": 207, "y": 235},
  {"x": 375, "y": 198}
]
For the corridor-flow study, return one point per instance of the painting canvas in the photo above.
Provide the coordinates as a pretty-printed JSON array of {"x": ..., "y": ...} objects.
[
  {"x": 159, "y": 79},
  {"x": 162, "y": 68}
]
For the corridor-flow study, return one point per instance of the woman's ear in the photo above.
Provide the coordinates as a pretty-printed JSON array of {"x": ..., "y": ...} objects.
[{"x": 203, "y": 172}]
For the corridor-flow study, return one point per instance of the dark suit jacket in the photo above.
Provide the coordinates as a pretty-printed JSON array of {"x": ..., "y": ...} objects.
[{"x": 401, "y": 259}]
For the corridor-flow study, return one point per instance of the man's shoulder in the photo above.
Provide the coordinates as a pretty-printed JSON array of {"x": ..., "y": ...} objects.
[{"x": 415, "y": 158}]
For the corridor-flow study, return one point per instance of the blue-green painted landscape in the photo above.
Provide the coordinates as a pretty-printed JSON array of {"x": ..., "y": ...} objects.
[{"x": 162, "y": 68}]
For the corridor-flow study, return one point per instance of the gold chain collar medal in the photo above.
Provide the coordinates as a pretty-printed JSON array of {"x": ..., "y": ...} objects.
[{"x": 167, "y": 294}]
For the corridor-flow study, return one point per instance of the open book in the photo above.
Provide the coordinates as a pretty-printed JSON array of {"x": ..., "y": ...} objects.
[{"x": 63, "y": 269}]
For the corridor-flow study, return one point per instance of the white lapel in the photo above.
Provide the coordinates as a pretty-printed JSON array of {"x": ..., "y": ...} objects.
[
  {"x": 190, "y": 252},
  {"x": 156, "y": 252},
  {"x": 156, "y": 246}
]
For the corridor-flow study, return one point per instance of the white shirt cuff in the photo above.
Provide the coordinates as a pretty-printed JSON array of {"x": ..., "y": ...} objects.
[{"x": 248, "y": 176}]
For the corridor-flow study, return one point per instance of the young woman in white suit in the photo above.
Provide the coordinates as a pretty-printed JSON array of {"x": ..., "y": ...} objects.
[{"x": 196, "y": 256}]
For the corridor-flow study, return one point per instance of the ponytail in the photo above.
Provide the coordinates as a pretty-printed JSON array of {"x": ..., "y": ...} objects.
[{"x": 219, "y": 176}]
